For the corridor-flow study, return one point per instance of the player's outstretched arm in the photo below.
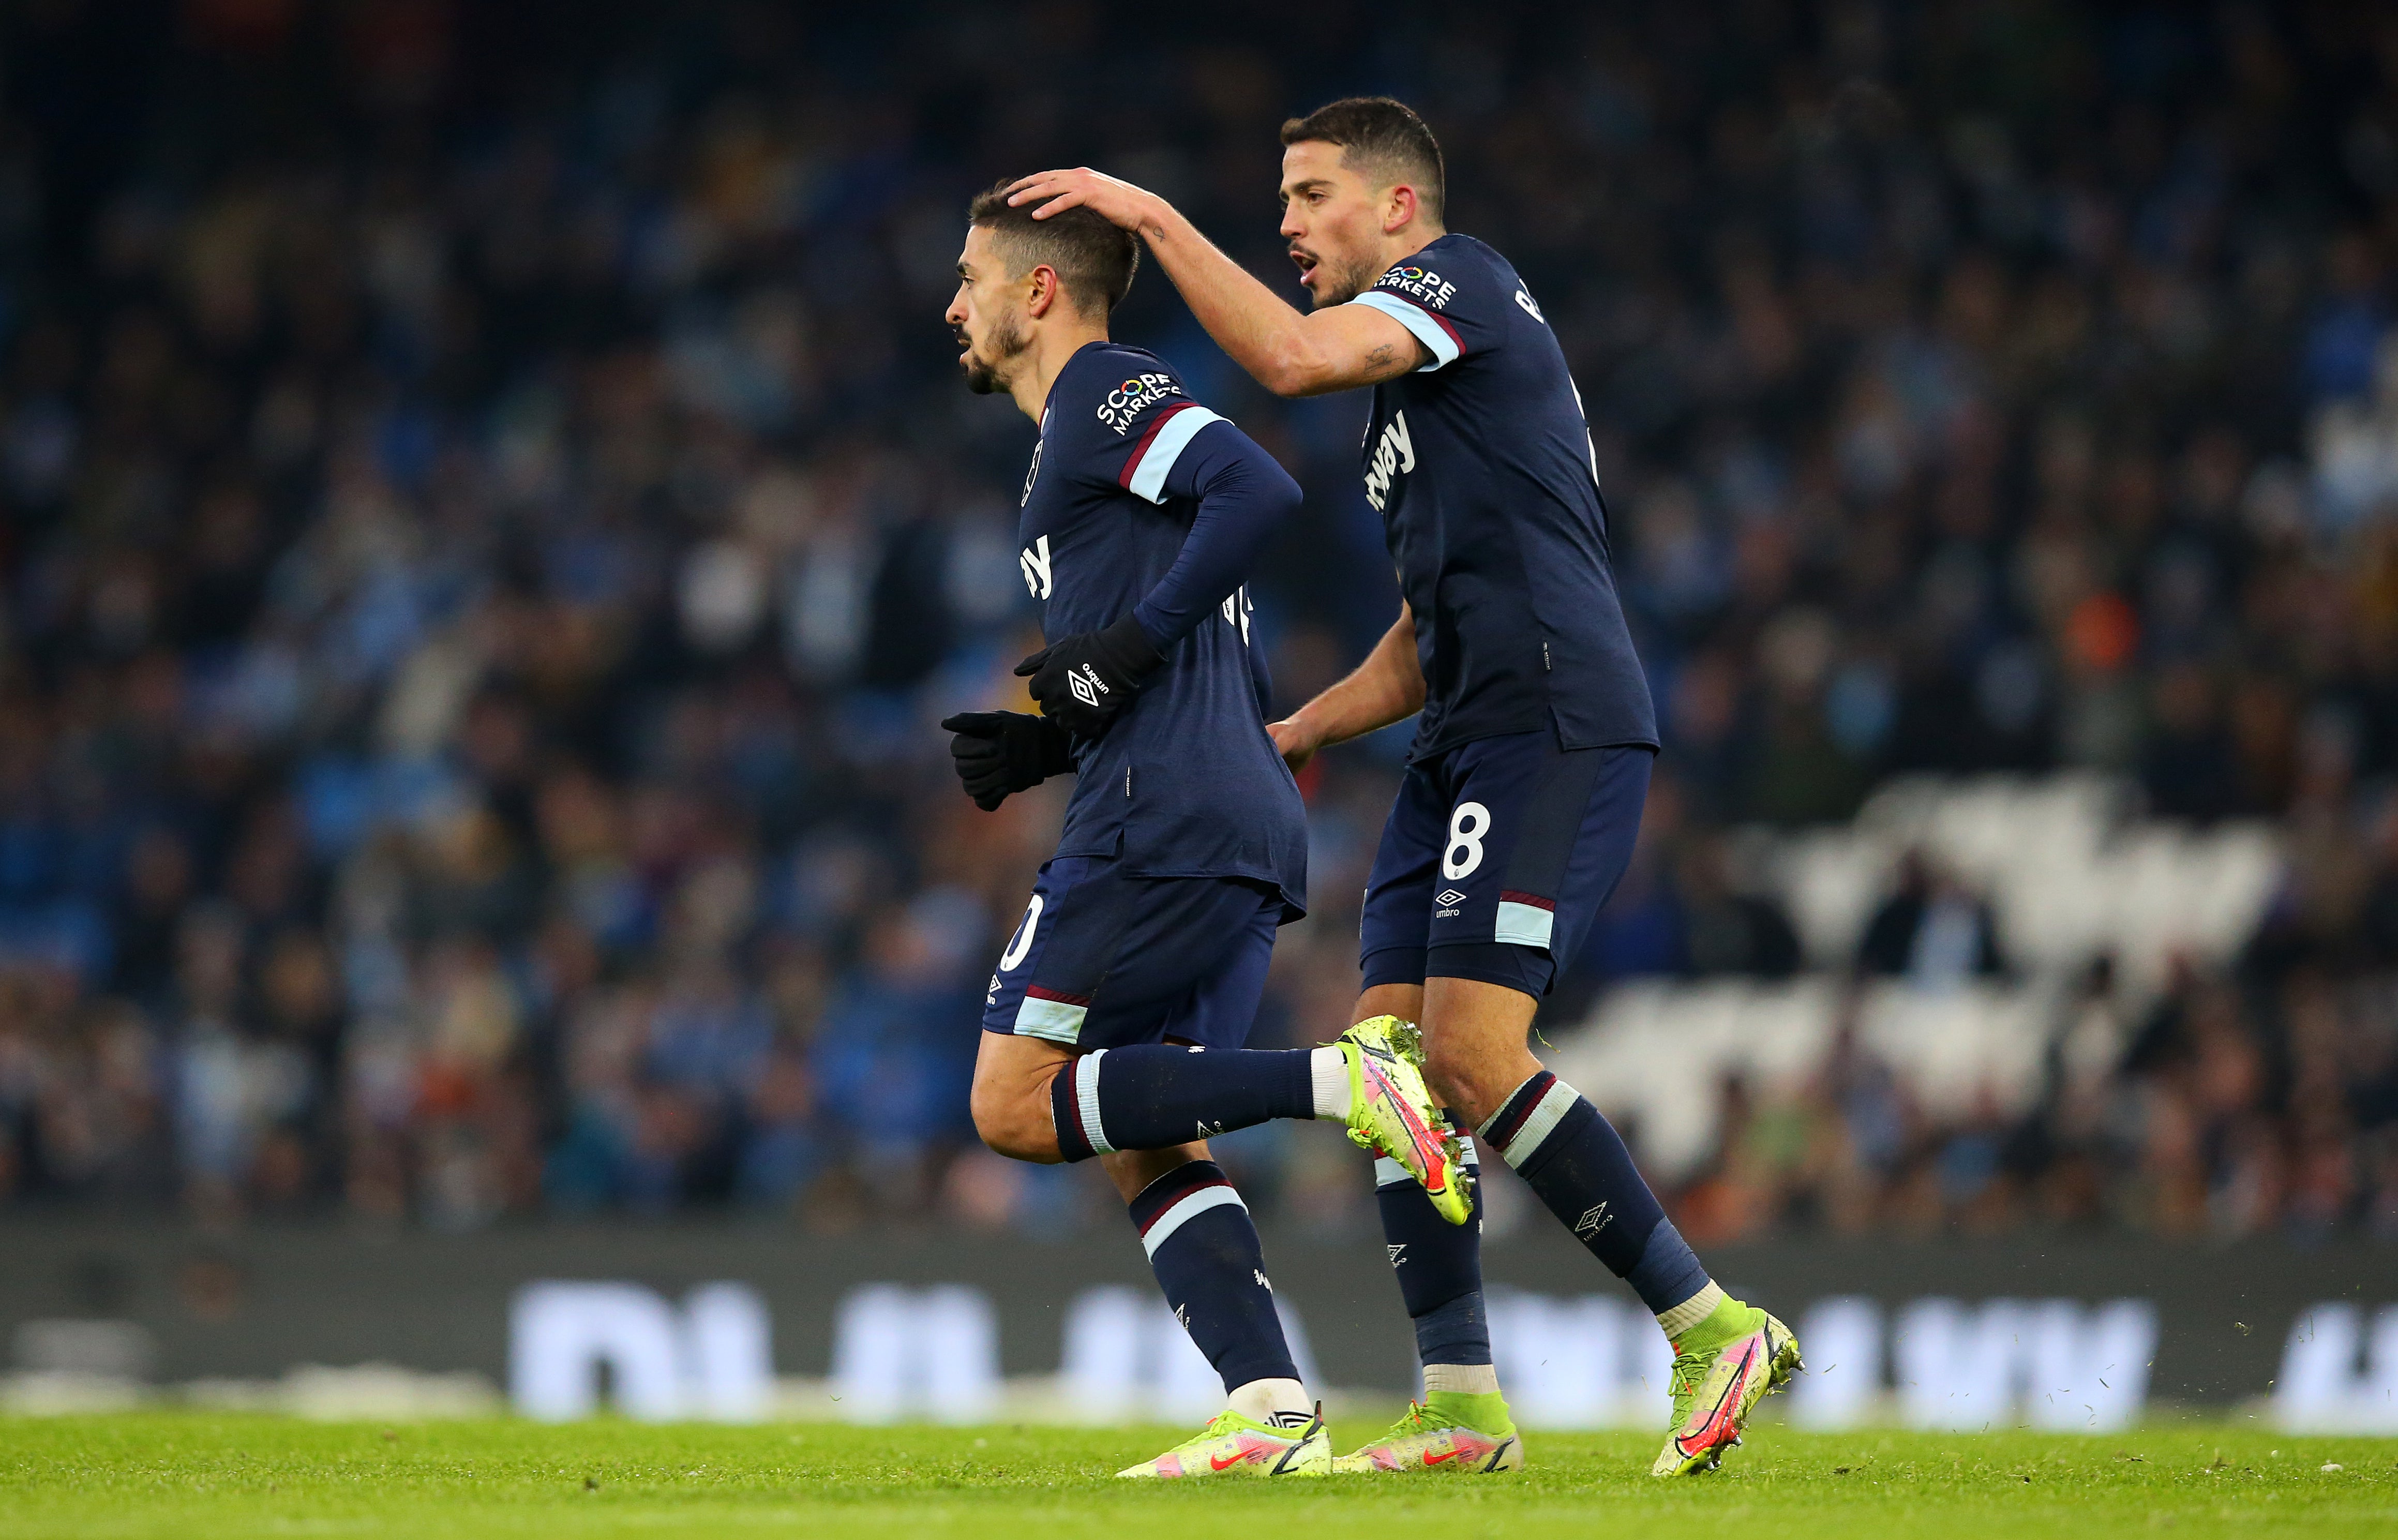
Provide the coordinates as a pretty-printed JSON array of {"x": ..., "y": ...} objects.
[
  {"x": 1387, "y": 687},
  {"x": 1288, "y": 352}
]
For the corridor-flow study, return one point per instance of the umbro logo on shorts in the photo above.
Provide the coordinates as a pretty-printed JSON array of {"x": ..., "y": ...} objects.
[{"x": 1448, "y": 898}]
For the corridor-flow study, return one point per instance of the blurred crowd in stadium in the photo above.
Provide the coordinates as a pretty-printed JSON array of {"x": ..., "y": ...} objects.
[{"x": 491, "y": 521}]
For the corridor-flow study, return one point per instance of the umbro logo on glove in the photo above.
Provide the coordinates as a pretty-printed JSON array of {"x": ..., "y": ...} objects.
[{"x": 1083, "y": 682}]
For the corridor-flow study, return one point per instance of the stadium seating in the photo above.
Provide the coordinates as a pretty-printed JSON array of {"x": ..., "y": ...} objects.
[
  {"x": 2070, "y": 872},
  {"x": 2069, "y": 875}
]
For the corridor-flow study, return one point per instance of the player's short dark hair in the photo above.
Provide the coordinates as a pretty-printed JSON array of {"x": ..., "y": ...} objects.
[
  {"x": 1382, "y": 138},
  {"x": 1093, "y": 259}
]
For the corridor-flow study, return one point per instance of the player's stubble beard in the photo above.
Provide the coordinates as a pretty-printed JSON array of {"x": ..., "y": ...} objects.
[
  {"x": 1339, "y": 281},
  {"x": 1008, "y": 342}
]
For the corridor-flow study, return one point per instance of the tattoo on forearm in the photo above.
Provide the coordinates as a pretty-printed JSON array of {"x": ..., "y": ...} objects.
[{"x": 1384, "y": 364}]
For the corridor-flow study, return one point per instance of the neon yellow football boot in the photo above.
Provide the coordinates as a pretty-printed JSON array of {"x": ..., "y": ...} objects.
[
  {"x": 1722, "y": 1368},
  {"x": 1446, "y": 1431},
  {"x": 1390, "y": 1112},
  {"x": 1233, "y": 1445}
]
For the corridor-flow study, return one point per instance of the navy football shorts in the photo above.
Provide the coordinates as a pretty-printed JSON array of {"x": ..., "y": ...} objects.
[
  {"x": 1496, "y": 855},
  {"x": 1104, "y": 959}
]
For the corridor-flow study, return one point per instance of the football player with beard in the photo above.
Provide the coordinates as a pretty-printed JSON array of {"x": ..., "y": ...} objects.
[{"x": 1115, "y": 1024}]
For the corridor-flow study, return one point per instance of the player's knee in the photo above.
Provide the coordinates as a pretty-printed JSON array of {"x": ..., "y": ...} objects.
[
  {"x": 1014, "y": 1122},
  {"x": 1458, "y": 1079}
]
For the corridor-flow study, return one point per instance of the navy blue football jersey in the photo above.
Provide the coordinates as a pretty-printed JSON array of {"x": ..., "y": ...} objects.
[
  {"x": 1480, "y": 464},
  {"x": 1185, "y": 783}
]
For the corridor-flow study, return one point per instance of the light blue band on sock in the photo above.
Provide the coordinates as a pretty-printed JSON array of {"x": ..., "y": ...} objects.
[{"x": 1087, "y": 1095}]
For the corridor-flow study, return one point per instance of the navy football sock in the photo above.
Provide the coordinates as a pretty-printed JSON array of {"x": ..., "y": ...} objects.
[
  {"x": 1439, "y": 1265},
  {"x": 1576, "y": 1161},
  {"x": 1204, "y": 1249},
  {"x": 1157, "y": 1095}
]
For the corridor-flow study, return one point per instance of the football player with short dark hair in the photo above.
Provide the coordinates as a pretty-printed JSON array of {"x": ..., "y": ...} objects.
[
  {"x": 1533, "y": 743},
  {"x": 1113, "y": 1026}
]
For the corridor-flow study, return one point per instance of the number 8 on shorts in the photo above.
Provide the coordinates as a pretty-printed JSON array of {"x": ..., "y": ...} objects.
[{"x": 1466, "y": 828}]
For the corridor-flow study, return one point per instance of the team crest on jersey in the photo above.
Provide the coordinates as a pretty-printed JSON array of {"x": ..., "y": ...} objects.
[
  {"x": 1033, "y": 472},
  {"x": 1137, "y": 395},
  {"x": 1419, "y": 284}
]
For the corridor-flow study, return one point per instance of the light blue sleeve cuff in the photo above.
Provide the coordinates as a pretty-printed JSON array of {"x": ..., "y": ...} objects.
[
  {"x": 1418, "y": 322},
  {"x": 1147, "y": 478}
]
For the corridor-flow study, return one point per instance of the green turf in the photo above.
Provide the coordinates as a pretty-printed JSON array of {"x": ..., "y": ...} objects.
[{"x": 192, "y": 1476}]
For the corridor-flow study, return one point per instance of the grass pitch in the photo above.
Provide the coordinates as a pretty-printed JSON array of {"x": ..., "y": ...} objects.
[{"x": 194, "y": 1476}]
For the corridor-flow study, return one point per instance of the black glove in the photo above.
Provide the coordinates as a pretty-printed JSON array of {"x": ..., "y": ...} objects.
[
  {"x": 999, "y": 753},
  {"x": 1085, "y": 681}
]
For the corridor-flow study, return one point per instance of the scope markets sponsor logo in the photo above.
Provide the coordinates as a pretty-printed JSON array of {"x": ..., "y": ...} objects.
[
  {"x": 1419, "y": 283},
  {"x": 1137, "y": 395}
]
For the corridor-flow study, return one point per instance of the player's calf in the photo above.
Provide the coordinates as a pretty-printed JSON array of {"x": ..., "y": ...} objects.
[{"x": 1204, "y": 1251}]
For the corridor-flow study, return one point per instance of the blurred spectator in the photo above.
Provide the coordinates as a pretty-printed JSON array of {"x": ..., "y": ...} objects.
[
  {"x": 1931, "y": 930},
  {"x": 1726, "y": 930}
]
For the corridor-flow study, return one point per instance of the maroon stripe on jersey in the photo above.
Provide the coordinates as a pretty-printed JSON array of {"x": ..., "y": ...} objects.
[
  {"x": 1148, "y": 437},
  {"x": 1060, "y": 997},
  {"x": 1509, "y": 895},
  {"x": 1510, "y": 1121},
  {"x": 1438, "y": 319}
]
